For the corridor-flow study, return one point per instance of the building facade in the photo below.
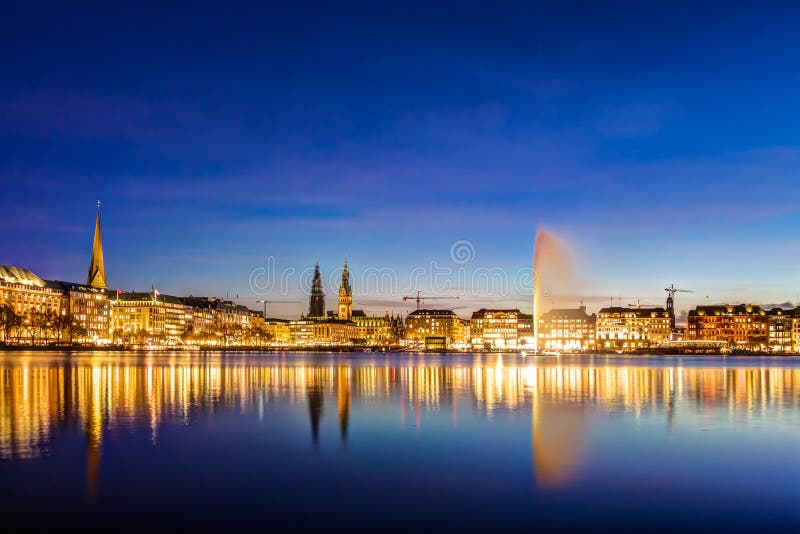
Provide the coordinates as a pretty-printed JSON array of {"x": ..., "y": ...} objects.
[
  {"x": 157, "y": 319},
  {"x": 628, "y": 329},
  {"x": 421, "y": 324},
  {"x": 301, "y": 331},
  {"x": 334, "y": 332},
  {"x": 462, "y": 334},
  {"x": 32, "y": 306},
  {"x": 203, "y": 327},
  {"x": 26, "y": 293},
  {"x": 277, "y": 331},
  {"x": 780, "y": 324},
  {"x": 796, "y": 331},
  {"x": 377, "y": 330},
  {"x": 152, "y": 318},
  {"x": 494, "y": 329},
  {"x": 743, "y": 326},
  {"x": 233, "y": 323},
  {"x": 567, "y": 330},
  {"x": 526, "y": 336},
  {"x": 88, "y": 311}
]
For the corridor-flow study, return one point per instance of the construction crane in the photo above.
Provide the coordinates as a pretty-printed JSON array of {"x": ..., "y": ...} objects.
[
  {"x": 671, "y": 290},
  {"x": 639, "y": 305},
  {"x": 265, "y": 302},
  {"x": 419, "y": 298}
]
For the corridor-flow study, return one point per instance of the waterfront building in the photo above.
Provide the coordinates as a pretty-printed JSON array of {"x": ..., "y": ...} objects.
[
  {"x": 151, "y": 318},
  {"x": 678, "y": 333},
  {"x": 97, "y": 269},
  {"x": 34, "y": 305},
  {"x": 780, "y": 323},
  {"x": 796, "y": 331},
  {"x": 232, "y": 316},
  {"x": 277, "y": 331},
  {"x": 87, "y": 310},
  {"x": 569, "y": 330},
  {"x": 136, "y": 318},
  {"x": 421, "y": 324},
  {"x": 463, "y": 334},
  {"x": 334, "y": 332},
  {"x": 345, "y": 300},
  {"x": 436, "y": 343},
  {"x": 234, "y": 322},
  {"x": 301, "y": 331},
  {"x": 743, "y": 326},
  {"x": 629, "y": 329},
  {"x": 525, "y": 332},
  {"x": 26, "y": 293},
  {"x": 178, "y": 317},
  {"x": 203, "y": 327},
  {"x": 316, "y": 303},
  {"x": 376, "y": 329},
  {"x": 494, "y": 329}
]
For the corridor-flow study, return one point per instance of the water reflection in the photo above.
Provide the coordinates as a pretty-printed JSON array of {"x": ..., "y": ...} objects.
[
  {"x": 315, "y": 400},
  {"x": 557, "y": 442},
  {"x": 41, "y": 396},
  {"x": 343, "y": 398}
]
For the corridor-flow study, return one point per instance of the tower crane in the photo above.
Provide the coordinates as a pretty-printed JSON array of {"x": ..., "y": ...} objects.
[
  {"x": 639, "y": 305},
  {"x": 265, "y": 302},
  {"x": 671, "y": 290},
  {"x": 419, "y": 298}
]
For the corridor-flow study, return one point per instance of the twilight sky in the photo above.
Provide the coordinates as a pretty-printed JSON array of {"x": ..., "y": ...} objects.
[{"x": 659, "y": 140}]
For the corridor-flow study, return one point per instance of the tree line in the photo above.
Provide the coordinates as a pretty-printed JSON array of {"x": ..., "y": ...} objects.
[{"x": 38, "y": 327}]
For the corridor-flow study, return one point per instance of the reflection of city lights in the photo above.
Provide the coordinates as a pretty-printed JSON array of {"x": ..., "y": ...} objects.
[{"x": 101, "y": 393}]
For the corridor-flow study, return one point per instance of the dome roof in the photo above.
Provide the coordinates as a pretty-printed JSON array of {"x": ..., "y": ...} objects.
[{"x": 17, "y": 275}]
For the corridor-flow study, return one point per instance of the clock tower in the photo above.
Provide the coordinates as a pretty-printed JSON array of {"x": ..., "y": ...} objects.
[{"x": 345, "y": 296}]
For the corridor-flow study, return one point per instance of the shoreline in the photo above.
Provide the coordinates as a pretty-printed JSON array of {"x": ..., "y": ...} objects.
[{"x": 10, "y": 349}]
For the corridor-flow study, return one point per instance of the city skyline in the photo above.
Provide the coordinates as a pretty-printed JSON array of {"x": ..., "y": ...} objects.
[
  {"x": 519, "y": 265},
  {"x": 311, "y": 134},
  {"x": 476, "y": 286}
]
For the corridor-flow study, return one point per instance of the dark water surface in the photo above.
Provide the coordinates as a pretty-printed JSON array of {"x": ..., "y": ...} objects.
[{"x": 399, "y": 442}]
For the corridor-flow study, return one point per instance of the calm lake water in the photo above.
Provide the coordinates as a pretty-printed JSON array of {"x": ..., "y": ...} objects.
[{"x": 399, "y": 442}]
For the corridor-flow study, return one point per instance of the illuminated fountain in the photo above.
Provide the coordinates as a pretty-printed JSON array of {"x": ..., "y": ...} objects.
[
  {"x": 551, "y": 268},
  {"x": 558, "y": 430}
]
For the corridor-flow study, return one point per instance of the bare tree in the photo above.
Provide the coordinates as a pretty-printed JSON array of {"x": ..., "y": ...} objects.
[
  {"x": 49, "y": 319},
  {"x": 61, "y": 326},
  {"x": 33, "y": 322},
  {"x": 77, "y": 331},
  {"x": 9, "y": 320}
]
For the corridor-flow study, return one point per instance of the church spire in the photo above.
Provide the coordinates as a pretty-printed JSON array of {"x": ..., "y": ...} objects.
[
  {"x": 316, "y": 305},
  {"x": 97, "y": 269}
]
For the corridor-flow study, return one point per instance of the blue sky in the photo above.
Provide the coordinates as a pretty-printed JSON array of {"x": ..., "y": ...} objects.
[{"x": 659, "y": 140}]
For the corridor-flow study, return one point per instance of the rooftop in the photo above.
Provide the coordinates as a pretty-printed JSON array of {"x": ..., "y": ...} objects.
[
  {"x": 441, "y": 313},
  {"x": 483, "y": 311},
  {"x": 570, "y": 313},
  {"x": 72, "y": 286},
  {"x": 18, "y": 275},
  {"x": 638, "y": 312},
  {"x": 728, "y": 309}
]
